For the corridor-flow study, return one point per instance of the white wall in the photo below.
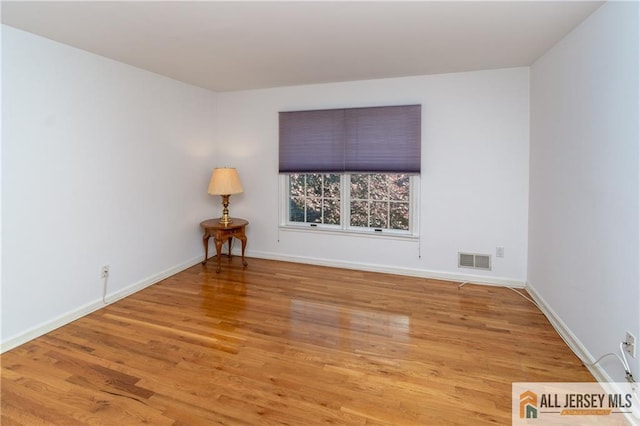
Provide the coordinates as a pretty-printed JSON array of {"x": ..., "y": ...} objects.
[
  {"x": 474, "y": 181},
  {"x": 102, "y": 163},
  {"x": 584, "y": 185}
]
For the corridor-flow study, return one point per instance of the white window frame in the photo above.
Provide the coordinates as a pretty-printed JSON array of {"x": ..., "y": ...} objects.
[{"x": 345, "y": 211}]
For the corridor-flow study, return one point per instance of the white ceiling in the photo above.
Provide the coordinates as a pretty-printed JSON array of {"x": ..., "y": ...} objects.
[{"x": 246, "y": 45}]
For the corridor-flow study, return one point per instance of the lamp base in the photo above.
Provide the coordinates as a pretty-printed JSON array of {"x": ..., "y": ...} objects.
[{"x": 225, "y": 219}]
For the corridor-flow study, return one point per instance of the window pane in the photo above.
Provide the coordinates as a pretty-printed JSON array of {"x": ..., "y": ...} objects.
[
  {"x": 378, "y": 189},
  {"x": 296, "y": 185},
  {"x": 398, "y": 187},
  {"x": 296, "y": 209},
  {"x": 314, "y": 185},
  {"x": 399, "y": 216},
  {"x": 314, "y": 198},
  {"x": 359, "y": 213},
  {"x": 314, "y": 211},
  {"x": 379, "y": 210},
  {"x": 359, "y": 187},
  {"x": 384, "y": 193},
  {"x": 332, "y": 212},
  {"x": 332, "y": 186}
]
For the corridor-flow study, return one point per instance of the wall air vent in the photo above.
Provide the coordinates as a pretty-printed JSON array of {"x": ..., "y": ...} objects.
[{"x": 475, "y": 261}]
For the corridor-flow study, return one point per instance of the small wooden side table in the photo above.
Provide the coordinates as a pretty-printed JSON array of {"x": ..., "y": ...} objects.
[{"x": 221, "y": 233}]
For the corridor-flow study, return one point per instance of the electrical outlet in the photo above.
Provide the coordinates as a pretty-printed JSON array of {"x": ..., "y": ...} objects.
[
  {"x": 630, "y": 344},
  {"x": 499, "y": 251},
  {"x": 104, "y": 271}
]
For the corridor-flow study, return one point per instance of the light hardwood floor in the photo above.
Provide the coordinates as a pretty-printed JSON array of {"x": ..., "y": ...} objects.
[{"x": 285, "y": 343}]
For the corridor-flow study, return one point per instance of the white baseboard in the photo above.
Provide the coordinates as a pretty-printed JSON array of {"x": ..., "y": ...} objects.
[
  {"x": 580, "y": 350},
  {"x": 68, "y": 317},
  {"x": 122, "y": 293},
  {"x": 370, "y": 267},
  {"x": 49, "y": 326},
  {"x": 571, "y": 339}
]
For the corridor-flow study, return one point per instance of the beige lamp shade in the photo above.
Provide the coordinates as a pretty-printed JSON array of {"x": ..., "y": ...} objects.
[{"x": 224, "y": 181}]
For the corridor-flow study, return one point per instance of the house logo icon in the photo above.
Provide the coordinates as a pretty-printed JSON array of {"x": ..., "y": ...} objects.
[{"x": 528, "y": 405}]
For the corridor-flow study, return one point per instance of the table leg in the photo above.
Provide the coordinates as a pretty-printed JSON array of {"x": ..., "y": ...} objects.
[
  {"x": 205, "y": 243},
  {"x": 244, "y": 244},
  {"x": 218, "y": 253},
  {"x": 230, "y": 240}
]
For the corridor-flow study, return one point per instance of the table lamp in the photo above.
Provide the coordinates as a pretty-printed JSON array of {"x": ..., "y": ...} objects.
[{"x": 224, "y": 182}]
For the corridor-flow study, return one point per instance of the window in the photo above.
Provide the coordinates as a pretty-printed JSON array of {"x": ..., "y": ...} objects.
[
  {"x": 351, "y": 169},
  {"x": 379, "y": 201},
  {"x": 373, "y": 202},
  {"x": 314, "y": 198}
]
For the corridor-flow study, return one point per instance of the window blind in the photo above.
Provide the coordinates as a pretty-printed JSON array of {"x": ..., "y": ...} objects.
[{"x": 374, "y": 139}]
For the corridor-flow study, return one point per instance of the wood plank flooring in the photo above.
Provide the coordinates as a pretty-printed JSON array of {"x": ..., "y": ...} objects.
[{"x": 285, "y": 343}]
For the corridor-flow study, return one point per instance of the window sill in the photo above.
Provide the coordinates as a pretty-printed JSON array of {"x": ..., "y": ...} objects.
[{"x": 350, "y": 232}]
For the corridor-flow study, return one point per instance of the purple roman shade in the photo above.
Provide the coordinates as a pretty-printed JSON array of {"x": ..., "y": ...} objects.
[{"x": 375, "y": 139}]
